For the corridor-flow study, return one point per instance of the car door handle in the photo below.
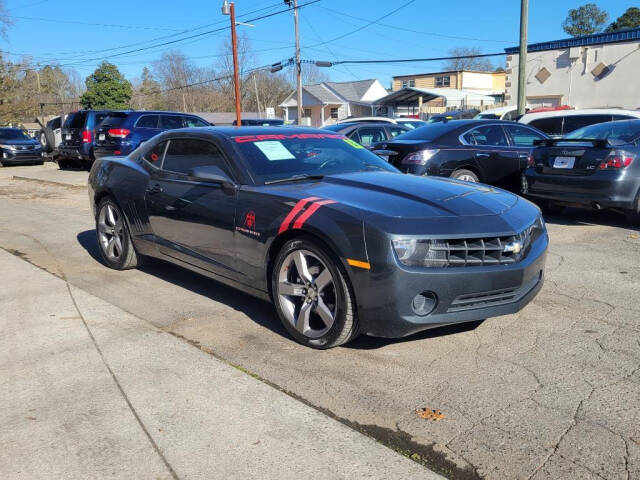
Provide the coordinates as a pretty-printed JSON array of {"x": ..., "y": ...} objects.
[
  {"x": 155, "y": 189},
  {"x": 483, "y": 155}
]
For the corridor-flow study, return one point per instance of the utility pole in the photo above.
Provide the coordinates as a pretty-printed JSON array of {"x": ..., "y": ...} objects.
[
  {"x": 229, "y": 8},
  {"x": 522, "y": 60},
  {"x": 298, "y": 62}
]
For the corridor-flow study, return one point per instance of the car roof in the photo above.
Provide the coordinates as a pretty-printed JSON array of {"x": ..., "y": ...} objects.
[
  {"x": 528, "y": 117},
  {"x": 248, "y": 130},
  {"x": 364, "y": 119},
  {"x": 508, "y": 108}
]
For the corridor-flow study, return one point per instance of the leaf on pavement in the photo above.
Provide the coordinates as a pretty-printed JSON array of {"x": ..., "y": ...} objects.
[{"x": 429, "y": 414}]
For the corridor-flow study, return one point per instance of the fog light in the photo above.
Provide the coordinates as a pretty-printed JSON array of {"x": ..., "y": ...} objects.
[
  {"x": 424, "y": 303},
  {"x": 525, "y": 184}
]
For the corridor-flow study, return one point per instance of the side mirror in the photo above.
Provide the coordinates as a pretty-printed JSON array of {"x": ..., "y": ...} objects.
[{"x": 211, "y": 173}]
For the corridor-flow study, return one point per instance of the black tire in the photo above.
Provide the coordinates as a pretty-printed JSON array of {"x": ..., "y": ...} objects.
[
  {"x": 550, "y": 207},
  {"x": 633, "y": 214},
  {"x": 465, "y": 175},
  {"x": 345, "y": 325},
  {"x": 64, "y": 163},
  {"x": 128, "y": 257}
]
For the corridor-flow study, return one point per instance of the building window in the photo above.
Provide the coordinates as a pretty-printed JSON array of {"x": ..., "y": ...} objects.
[
  {"x": 443, "y": 81},
  {"x": 334, "y": 113},
  {"x": 307, "y": 112},
  {"x": 408, "y": 83}
]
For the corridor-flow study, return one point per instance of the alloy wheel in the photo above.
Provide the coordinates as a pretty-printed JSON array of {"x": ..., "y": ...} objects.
[
  {"x": 466, "y": 178},
  {"x": 111, "y": 232},
  {"x": 306, "y": 293}
]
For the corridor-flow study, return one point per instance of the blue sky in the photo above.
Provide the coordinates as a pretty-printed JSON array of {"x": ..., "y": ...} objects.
[{"x": 425, "y": 28}]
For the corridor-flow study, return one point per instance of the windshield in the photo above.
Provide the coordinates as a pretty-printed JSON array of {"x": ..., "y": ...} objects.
[
  {"x": 412, "y": 123},
  {"x": 277, "y": 156},
  {"x": 626, "y": 131},
  {"x": 12, "y": 134}
]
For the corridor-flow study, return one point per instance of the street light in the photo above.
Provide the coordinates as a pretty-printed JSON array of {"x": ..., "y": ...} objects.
[{"x": 228, "y": 8}]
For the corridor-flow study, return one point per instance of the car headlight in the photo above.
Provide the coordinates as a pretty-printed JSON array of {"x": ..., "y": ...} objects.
[
  {"x": 415, "y": 252},
  {"x": 8, "y": 147}
]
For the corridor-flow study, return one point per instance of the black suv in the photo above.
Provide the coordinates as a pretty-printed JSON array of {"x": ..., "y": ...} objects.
[
  {"x": 122, "y": 132},
  {"x": 78, "y": 135}
]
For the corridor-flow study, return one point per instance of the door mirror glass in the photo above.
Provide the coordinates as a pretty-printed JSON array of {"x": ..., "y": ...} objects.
[{"x": 210, "y": 173}]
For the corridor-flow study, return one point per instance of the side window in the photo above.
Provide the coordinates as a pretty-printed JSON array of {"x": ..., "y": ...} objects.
[
  {"x": 490, "y": 135},
  {"x": 522, "y": 136},
  {"x": 194, "y": 122},
  {"x": 185, "y": 154},
  {"x": 622, "y": 117},
  {"x": 147, "y": 121},
  {"x": 511, "y": 115},
  {"x": 574, "y": 122},
  {"x": 371, "y": 135},
  {"x": 354, "y": 136},
  {"x": 170, "y": 122},
  {"x": 154, "y": 156},
  {"x": 395, "y": 131},
  {"x": 550, "y": 126},
  {"x": 69, "y": 120}
]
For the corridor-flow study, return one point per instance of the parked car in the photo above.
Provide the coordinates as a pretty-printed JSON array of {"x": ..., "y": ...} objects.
[
  {"x": 558, "y": 123},
  {"x": 452, "y": 115},
  {"x": 367, "y": 119},
  {"x": 593, "y": 167},
  {"x": 367, "y": 134},
  {"x": 78, "y": 135},
  {"x": 338, "y": 239},
  {"x": 501, "y": 113},
  {"x": 262, "y": 122},
  {"x": 487, "y": 151},
  {"x": 18, "y": 148},
  {"x": 410, "y": 122},
  {"x": 122, "y": 132}
]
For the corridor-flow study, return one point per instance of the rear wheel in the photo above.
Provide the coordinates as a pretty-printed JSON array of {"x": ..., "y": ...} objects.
[
  {"x": 633, "y": 214},
  {"x": 116, "y": 247},
  {"x": 312, "y": 297},
  {"x": 465, "y": 175}
]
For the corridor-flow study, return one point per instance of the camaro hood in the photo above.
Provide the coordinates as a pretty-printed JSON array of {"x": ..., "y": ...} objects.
[{"x": 408, "y": 196}]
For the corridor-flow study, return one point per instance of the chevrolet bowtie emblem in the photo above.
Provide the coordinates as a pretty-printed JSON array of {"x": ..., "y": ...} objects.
[{"x": 513, "y": 247}]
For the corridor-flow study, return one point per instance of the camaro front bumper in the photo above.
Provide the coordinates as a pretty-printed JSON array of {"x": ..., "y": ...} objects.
[{"x": 386, "y": 298}]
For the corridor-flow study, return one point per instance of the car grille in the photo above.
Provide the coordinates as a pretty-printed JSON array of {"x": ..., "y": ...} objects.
[
  {"x": 493, "y": 298},
  {"x": 469, "y": 252},
  {"x": 24, "y": 147}
]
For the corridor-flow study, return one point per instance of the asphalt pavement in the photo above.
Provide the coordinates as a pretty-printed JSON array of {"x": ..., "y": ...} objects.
[{"x": 550, "y": 393}]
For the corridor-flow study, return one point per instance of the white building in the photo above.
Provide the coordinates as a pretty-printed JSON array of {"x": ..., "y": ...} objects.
[
  {"x": 599, "y": 70},
  {"x": 327, "y": 102}
]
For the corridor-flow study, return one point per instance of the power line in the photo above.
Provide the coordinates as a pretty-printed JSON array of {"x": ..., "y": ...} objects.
[
  {"x": 456, "y": 37},
  {"x": 76, "y": 22},
  {"x": 372, "y": 22},
  {"x": 171, "y": 42},
  {"x": 413, "y": 60}
]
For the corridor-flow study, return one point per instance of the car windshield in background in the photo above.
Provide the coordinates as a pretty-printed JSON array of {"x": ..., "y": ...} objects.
[
  {"x": 114, "y": 119},
  {"x": 488, "y": 116},
  {"x": 12, "y": 134},
  {"x": 279, "y": 156},
  {"x": 412, "y": 125},
  {"x": 625, "y": 131},
  {"x": 427, "y": 133}
]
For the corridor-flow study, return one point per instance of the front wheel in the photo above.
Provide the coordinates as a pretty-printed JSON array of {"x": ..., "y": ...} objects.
[
  {"x": 465, "y": 175},
  {"x": 116, "y": 247},
  {"x": 312, "y": 296}
]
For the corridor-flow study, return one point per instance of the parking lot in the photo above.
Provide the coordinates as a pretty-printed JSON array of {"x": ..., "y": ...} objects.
[{"x": 551, "y": 392}]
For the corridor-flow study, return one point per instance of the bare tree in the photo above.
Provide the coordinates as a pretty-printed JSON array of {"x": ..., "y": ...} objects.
[
  {"x": 5, "y": 20},
  {"x": 468, "y": 63}
]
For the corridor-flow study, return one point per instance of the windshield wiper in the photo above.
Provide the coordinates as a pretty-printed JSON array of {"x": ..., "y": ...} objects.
[{"x": 295, "y": 178}]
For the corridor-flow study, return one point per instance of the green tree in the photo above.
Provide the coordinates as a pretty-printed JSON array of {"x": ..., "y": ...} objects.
[
  {"x": 106, "y": 88},
  {"x": 629, "y": 19},
  {"x": 585, "y": 20}
]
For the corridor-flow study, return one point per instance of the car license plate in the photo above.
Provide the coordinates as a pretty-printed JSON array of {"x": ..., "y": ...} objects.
[
  {"x": 564, "y": 162},
  {"x": 101, "y": 136},
  {"x": 67, "y": 137}
]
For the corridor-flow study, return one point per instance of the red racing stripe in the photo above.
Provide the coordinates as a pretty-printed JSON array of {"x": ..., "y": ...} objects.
[
  {"x": 310, "y": 211},
  {"x": 294, "y": 211}
]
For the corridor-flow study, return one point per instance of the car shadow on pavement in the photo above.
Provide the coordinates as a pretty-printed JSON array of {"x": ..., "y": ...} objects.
[
  {"x": 579, "y": 216},
  {"x": 254, "y": 308},
  {"x": 257, "y": 310}
]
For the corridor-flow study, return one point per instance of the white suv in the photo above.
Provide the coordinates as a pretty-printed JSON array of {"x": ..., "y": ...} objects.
[{"x": 558, "y": 123}]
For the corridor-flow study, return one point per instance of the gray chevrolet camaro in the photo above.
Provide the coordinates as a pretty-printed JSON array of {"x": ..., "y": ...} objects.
[{"x": 340, "y": 241}]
